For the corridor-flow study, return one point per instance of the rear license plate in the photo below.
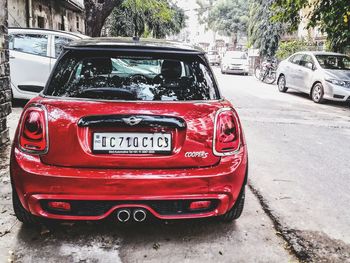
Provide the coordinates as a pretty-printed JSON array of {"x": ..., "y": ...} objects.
[{"x": 132, "y": 143}]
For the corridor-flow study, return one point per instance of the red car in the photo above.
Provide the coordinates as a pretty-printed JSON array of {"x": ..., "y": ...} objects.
[{"x": 128, "y": 130}]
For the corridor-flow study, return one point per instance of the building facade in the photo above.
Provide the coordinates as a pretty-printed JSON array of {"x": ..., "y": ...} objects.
[
  {"x": 67, "y": 15},
  {"x": 5, "y": 90}
]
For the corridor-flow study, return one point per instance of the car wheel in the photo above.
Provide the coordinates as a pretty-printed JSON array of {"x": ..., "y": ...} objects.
[
  {"x": 222, "y": 71},
  {"x": 317, "y": 93},
  {"x": 21, "y": 213},
  {"x": 236, "y": 211},
  {"x": 281, "y": 83}
]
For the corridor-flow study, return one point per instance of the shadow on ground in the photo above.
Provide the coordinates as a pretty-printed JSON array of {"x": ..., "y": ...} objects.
[
  {"x": 104, "y": 241},
  {"x": 337, "y": 104}
]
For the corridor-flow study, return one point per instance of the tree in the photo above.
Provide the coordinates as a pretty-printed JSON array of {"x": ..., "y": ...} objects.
[
  {"x": 332, "y": 16},
  {"x": 161, "y": 28},
  {"x": 264, "y": 34},
  {"x": 230, "y": 17},
  {"x": 202, "y": 11},
  {"x": 147, "y": 17},
  {"x": 96, "y": 13}
]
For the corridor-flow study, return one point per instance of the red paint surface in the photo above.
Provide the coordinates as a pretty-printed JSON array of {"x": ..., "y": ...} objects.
[{"x": 71, "y": 171}]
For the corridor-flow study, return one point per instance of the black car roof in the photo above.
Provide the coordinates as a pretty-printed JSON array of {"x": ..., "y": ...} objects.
[{"x": 103, "y": 43}]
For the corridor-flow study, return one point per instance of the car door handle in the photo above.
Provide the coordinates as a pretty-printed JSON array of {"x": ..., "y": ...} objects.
[{"x": 12, "y": 57}]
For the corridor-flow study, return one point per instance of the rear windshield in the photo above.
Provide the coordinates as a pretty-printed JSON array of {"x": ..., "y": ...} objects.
[
  {"x": 236, "y": 55},
  {"x": 128, "y": 77},
  {"x": 213, "y": 53}
]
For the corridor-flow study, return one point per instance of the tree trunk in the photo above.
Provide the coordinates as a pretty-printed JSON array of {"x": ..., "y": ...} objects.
[
  {"x": 234, "y": 41},
  {"x": 96, "y": 13}
]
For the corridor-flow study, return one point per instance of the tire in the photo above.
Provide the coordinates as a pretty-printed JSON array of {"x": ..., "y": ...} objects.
[
  {"x": 317, "y": 93},
  {"x": 223, "y": 72},
  {"x": 236, "y": 211},
  {"x": 21, "y": 213},
  {"x": 257, "y": 72},
  {"x": 270, "y": 78},
  {"x": 281, "y": 84}
]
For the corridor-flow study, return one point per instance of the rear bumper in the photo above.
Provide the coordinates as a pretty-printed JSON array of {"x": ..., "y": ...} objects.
[
  {"x": 36, "y": 182},
  {"x": 237, "y": 71}
]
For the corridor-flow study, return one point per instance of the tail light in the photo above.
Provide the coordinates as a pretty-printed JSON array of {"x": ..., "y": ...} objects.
[
  {"x": 33, "y": 132},
  {"x": 227, "y": 133}
]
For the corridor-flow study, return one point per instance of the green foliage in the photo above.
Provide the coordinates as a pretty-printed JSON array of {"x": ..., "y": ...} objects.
[
  {"x": 288, "y": 48},
  {"x": 332, "y": 16},
  {"x": 202, "y": 11},
  {"x": 264, "y": 34},
  {"x": 145, "y": 18},
  {"x": 229, "y": 16},
  {"x": 160, "y": 28}
]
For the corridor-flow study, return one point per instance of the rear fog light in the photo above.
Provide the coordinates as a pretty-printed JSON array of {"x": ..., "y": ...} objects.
[
  {"x": 62, "y": 206},
  {"x": 199, "y": 205}
]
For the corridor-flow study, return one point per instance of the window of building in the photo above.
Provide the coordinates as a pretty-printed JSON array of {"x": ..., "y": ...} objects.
[
  {"x": 32, "y": 44},
  {"x": 41, "y": 22},
  {"x": 77, "y": 22},
  {"x": 62, "y": 23}
]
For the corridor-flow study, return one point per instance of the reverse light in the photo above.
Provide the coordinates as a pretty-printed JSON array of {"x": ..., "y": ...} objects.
[
  {"x": 227, "y": 133},
  {"x": 199, "y": 205},
  {"x": 33, "y": 132},
  {"x": 61, "y": 206}
]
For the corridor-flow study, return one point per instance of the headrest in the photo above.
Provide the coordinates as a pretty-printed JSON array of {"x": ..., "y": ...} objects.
[
  {"x": 171, "y": 69},
  {"x": 101, "y": 66}
]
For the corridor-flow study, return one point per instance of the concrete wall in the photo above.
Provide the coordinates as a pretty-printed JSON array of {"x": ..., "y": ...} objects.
[
  {"x": 17, "y": 13},
  {"x": 5, "y": 90},
  {"x": 54, "y": 14}
]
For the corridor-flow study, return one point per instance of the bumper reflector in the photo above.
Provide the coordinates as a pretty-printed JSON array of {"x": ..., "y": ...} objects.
[
  {"x": 198, "y": 205},
  {"x": 61, "y": 206}
]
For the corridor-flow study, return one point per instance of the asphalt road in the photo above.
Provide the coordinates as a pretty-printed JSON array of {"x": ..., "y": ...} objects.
[
  {"x": 299, "y": 164},
  {"x": 297, "y": 206}
]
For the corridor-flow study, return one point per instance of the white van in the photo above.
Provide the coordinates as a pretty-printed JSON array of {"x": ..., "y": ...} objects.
[{"x": 33, "y": 53}]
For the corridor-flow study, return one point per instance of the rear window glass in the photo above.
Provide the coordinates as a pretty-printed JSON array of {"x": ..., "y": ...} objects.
[
  {"x": 117, "y": 77},
  {"x": 236, "y": 55}
]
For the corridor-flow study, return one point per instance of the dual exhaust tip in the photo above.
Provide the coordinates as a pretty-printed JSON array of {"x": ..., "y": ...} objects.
[{"x": 124, "y": 215}]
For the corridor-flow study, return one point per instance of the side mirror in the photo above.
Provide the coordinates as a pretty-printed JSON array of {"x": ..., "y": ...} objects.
[{"x": 310, "y": 65}]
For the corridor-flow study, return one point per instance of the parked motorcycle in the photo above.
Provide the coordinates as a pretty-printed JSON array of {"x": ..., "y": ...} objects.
[{"x": 266, "y": 71}]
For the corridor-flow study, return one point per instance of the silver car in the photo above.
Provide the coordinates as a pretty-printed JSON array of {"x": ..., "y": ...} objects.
[
  {"x": 214, "y": 57},
  {"x": 322, "y": 75},
  {"x": 235, "y": 62},
  {"x": 33, "y": 53}
]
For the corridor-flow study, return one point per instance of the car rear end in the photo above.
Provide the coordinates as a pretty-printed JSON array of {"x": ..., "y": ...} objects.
[
  {"x": 99, "y": 144},
  {"x": 235, "y": 62},
  {"x": 214, "y": 58}
]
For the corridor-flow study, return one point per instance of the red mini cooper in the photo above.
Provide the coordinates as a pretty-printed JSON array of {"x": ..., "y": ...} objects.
[{"x": 129, "y": 130}]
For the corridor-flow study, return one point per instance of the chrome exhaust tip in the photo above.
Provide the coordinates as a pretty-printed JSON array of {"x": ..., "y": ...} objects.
[
  {"x": 139, "y": 215},
  {"x": 123, "y": 215}
]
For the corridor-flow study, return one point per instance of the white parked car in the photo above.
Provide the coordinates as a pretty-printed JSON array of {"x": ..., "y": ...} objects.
[
  {"x": 214, "y": 57},
  {"x": 33, "y": 53},
  {"x": 235, "y": 62},
  {"x": 322, "y": 75}
]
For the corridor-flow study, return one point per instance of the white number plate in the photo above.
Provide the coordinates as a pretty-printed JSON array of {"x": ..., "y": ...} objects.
[{"x": 137, "y": 143}]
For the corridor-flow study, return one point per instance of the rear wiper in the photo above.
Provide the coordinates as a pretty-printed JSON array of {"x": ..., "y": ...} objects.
[{"x": 100, "y": 93}]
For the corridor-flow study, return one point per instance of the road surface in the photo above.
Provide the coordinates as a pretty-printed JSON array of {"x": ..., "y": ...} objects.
[{"x": 297, "y": 205}]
